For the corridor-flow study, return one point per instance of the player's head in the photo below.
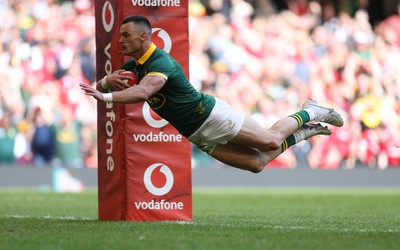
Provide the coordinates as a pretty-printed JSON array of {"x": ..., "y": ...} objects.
[
  {"x": 140, "y": 21},
  {"x": 135, "y": 32}
]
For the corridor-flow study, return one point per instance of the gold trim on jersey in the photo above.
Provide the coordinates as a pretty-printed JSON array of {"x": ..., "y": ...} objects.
[
  {"x": 147, "y": 54},
  {"x": 157, "y": 74}
]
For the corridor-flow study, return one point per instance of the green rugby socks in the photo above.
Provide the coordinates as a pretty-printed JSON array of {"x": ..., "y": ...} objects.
[
  {"x": 290, "y": 141},
  {"x": 301, "y": 117}
]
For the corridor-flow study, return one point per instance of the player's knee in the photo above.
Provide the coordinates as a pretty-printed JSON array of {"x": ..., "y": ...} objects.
[
  {"x": 273, "y": 144},
  {"x": 257, "y": 170},
  {"x": 259, "y": 165}
]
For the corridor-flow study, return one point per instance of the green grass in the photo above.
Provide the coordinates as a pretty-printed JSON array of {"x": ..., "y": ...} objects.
[{"x": 223, "y": 219}]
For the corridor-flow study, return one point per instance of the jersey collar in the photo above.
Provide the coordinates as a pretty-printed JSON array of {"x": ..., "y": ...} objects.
[{"x": 147, "y": 54}]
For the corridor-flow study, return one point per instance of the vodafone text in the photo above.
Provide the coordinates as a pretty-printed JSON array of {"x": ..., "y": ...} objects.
[
  {"x": 107, "y": 17},
  {"x": 159, "y": 205},
  {"x": 156, "y": 3},
  {"x": 110, "y": 131},
  {"x": 160, "y": 137}
]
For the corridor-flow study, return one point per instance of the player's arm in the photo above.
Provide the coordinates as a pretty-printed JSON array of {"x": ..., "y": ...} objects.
[
  {"x": 148, "y": 86},
  {"x": 113, "y": 82}
]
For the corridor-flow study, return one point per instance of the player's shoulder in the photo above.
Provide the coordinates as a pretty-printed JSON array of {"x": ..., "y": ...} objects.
[
  {"x": 160, "y": 53},
  {"x": 161, "y": 57}
]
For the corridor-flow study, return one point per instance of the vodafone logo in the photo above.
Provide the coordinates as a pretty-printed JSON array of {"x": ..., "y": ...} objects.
[
  {"x": 158, "y": 179},
  {"x": 167, "y": 182},
  {"x": 154, "y": 121},
  {"x": 107, "y": 16},
  {"x": 166, "y": 39}
]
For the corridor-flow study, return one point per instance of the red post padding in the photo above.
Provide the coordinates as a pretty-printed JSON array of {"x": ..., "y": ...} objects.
[{"x": 144, "y": 171}]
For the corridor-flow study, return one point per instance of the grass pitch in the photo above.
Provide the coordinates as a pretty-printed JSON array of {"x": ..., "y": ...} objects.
[{"x": 235, "y": 218}]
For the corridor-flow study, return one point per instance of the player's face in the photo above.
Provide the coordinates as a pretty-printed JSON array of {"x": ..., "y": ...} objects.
[{"x": 131, "y": 39}]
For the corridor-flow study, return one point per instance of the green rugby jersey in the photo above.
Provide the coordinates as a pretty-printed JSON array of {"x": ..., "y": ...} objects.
[{"x": 177, "y": 101}]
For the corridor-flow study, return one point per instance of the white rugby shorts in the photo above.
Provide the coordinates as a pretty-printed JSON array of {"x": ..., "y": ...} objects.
[{"x": 223, "y": 124}]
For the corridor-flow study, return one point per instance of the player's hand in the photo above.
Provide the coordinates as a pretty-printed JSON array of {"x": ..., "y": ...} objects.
[
  {"x": 91, "y": 92},
  {"x": 117, "y": 81}
]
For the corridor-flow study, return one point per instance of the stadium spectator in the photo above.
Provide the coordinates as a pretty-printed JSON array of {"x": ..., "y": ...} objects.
[
  {"x": 22, "y": 148},
  {"x": 8, "y": 133},
  {"x": 43, "y": 139},
  {"x": 68, "y": 139}
]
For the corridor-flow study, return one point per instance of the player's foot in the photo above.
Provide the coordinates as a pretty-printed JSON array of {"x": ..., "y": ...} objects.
[
  {"x": 323, "y": 114},
  {"x": 309, "y": 130}
]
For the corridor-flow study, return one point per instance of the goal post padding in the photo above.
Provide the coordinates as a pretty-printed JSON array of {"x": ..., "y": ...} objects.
[{"x": 144, "y": 169}]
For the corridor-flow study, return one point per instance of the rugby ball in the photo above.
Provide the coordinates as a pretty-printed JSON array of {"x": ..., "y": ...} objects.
[{"x": 134, "y": 80}]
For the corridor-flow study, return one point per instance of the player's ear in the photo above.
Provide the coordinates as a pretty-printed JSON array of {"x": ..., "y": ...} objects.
[{"x": 143, "y": 36}]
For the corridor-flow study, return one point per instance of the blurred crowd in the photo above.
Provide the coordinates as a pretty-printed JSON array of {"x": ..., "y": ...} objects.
[
  {"x": 264, "y": 61},
  {"x": 267, "y": 63},
  {"x": 47, "y": 47}
]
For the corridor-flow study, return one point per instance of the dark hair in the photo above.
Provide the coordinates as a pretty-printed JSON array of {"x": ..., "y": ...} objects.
[{"x": 140, "y": 20}]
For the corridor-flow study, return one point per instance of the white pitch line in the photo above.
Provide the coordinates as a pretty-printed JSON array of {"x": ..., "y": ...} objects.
[
  {"x": 18, "y": 216},
  {"x": 336, "y": 229},
  {"x": 180, "y": 222},
  {"x": 331, "y": 229}
]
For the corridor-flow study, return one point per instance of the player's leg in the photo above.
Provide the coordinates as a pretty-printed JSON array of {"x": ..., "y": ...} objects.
[
  {"x": 246, "y": 150},
  {"x": 253, "y": 146},
  {"x": 240, "y": 156},
  {"x": 254, "y": 160},
  {"x": 252, "y": 134}
]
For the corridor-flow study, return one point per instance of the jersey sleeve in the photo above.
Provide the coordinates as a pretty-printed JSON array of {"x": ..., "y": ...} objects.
[{"x": 162, "y": 65}]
